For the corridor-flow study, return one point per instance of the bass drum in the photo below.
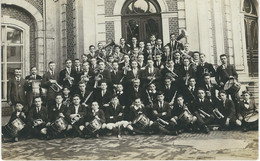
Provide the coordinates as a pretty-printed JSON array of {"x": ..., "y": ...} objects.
[{"x": 232, "y": 86}]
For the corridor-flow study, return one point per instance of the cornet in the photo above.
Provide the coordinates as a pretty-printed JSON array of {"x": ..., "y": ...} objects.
[
  {"x": 74, "y": 120},
  {"x": 69, "y": 78}
]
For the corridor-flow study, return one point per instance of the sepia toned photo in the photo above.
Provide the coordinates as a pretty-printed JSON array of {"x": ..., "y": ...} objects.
[{"x": 129, "y": 79}]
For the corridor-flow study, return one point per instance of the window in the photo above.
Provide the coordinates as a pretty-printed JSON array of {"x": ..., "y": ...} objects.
[
  {"x": 140, "y": 7},
  {"x": 11, "y": 54}
]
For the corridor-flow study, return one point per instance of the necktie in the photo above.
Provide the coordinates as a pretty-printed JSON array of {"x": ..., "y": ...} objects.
[{"x": 38, "y": 109}]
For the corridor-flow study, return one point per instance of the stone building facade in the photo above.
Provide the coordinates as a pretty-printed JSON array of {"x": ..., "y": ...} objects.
[{"x": 53, "y": 30}]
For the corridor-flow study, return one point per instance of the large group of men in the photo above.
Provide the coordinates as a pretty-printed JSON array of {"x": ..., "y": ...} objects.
[{"x": 136, "y": 88}]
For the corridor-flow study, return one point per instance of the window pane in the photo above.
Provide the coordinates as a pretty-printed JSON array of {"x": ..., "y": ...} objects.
[
  {"x": 247, "y": 6},
  {"x": 129, "y": 9},
  {"x": 3, "y": 90},
  {"x": 151, "y": 28},
  {"x": 152, "y": 9},
  {"x": 140, "y": 6},
  {"x": 14, "y": 53},
  {"x": 14, "y": 35},
  {"x": 10, "y": 69},
  {"x": 254, "y": 35},
  {"x": 2, "y": 69},
  {"x": 132, "y": 30}
]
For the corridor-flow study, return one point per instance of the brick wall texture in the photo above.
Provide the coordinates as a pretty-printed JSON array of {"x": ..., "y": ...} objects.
[
  {"x": 22, "y": 15},
  {"x": 110, "y": 30},
  {"x": 37, "y": 4},
  {"x": 70, "y": 30},
  {"x": 172, "y": 5},
  {"x": 173, "y": 25},
  {"x": 109, "y": 7}
]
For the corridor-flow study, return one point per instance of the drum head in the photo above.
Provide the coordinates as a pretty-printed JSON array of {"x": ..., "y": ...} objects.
[{"x": 251, "y": 117}]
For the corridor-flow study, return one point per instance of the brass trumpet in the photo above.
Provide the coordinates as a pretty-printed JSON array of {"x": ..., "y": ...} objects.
[
  {"x": 74, "y": 120},
  {"x": 69, "y": 78},
  {"x": 218, "y": 114}
]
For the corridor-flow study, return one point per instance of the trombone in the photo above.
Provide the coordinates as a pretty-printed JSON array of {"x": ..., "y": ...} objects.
[{"x": 218, "y": 114}]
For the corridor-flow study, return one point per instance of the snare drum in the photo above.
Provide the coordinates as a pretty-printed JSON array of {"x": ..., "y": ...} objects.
[
  {"x": 59, "y": 125},
  {"x": 186, "y": 117},
  {"x": 141, "y": 121},
  {"x": 232, "y": 86},
  {"x": 253, "y": 117},
  {"x": 14, "y": 127},
  {"x": 94, "y": 125}
]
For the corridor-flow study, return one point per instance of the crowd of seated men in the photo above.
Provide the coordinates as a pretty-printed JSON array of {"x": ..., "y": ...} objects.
[{"x": 137, "y": 88}]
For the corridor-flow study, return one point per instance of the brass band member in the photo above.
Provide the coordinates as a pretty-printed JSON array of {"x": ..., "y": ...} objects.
[
  {"x": 87, "y": 75},
  {"x": 189, "y": 92},
  {"x": 50, "y": 82},
  {"x": 227, "y": 109},
  {"x": 37, "y": 119},
  {"x": 29, "y": 91},
  {"x": 67, "y": 76},
  {"x": 150, "y": 74},
  {"x": 174, "y": 44},
  {"x": 16, "y": 90},
  {"x": 203, "y": 110},
  {"x": 248, "y": 112}
]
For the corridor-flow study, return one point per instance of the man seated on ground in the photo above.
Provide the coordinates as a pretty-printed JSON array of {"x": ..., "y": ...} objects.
[
  {"x": 248, "y": 112},
  {"x": 94, "y": 121}
]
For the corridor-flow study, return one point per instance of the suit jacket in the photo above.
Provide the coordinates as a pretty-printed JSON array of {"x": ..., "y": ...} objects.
[
  {"x": 90, "y": 83},
  {"x": 222, "y": 75},
  {"x": 46, "y": 83},
  {"x": 176, "y": 74},
  {"x": 83, "y": 97},
  {"x": 71, "y": 110},
  {"x": 106, "y": 76},
  {"x": 116, "y": 78},
  {"x": 169, "y": 93},
  {"x": 141, "y": 66},
  {"x": 212, "y": 89},
  {"x": 14, "y": 116},
  {"x": 62, "y": 75},
  {"x": 227, "y": 109},
  {"x": 133, "y": 113},
  {"x": 16, "y": 91},
  {"x": 123, "y": 98},
  {"x": 90, "y": 56},
  {"x": 132, "y": 94},
  {"x": 246, "y": 108},
  {"x": 90, "y": 115},
  {"x": 188, "y": 95},
  {"x": 54, "y": 112},
  {"x": 207, "y": 66},
  {"x": 190, "y": 72},
  {"x": 102, "y": 99},
  {"x": 125, "y": 49},
  {"x": 160, "y": 64},
  {"x": 34, "y": 115},
  {"x": 114, "y": 115},
  {"x": 130, "y": 75},
  {"x": 145, "y": 73},
  {"x": 176, "y": 46},
  {"x": 206, "y": 106},
  {"x": 148, "y": 55},
  {"x": 165, "y": 108},
  {"x": 166, "y": 57},
  {"x": 29, "y": 77}
]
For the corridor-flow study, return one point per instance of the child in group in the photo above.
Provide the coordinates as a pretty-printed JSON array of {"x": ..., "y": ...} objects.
[
  {"x": 16, "y": 127},
  {"x": 94, "y": 121}
]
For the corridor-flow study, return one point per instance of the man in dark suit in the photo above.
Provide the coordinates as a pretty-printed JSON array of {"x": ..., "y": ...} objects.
[
  {"x": 140, "y": 61},
  {"x": 57, "y": 111},
  {"x": 203, "y": 110},
  {"x": 135, "y": 91},
  {"x": 16, "y": 90},
  {"x": 92, "y": 53},
  {"x": 85, "y": 95},
  {"x": 134, "y": 73},
  {"x": 87, "y": 76},
  {"x": 68, "y": 75},
  {"x": 106, "y": 75},
  {"x": 50, "y": 78},
  {"x": 75, "y": 115},
  {"x": 37, "y": 119},
  {"x": 158, "y": 62},
  {"x": 134, "y": 43},
  {"x": 204, "y": 67},
  {"x": 103, "y": 96},
  {"x": 125, "y": 65},
  {"x": 189, "y": 92},
  {"x": 172, "y": 72},
  {"x": 174, "y": 44},
  {"x": 169, "y": 89},
  {"x": 124, "y": 48},
  {"x": 30, "y": 78},
  {"x": 149, "y": 52},
  {"x": 116, "y": 75},
  {"x": 227, "y": 109},
  {"x": 187, "y": 71},
  {"x": 150, "y": 74},
  {"x": 167, "y": 55},
  {"x": 225, "y": 71},
  {"x": 141, "y": 48},
  {"x": 177, "y": 60}
]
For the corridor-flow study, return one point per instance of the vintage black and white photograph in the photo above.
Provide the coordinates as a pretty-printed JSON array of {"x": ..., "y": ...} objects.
[{"x": 129, "y": 79}]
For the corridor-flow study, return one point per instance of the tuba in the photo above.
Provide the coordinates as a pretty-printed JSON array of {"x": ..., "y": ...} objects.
[{"x": 181, "y": 35}]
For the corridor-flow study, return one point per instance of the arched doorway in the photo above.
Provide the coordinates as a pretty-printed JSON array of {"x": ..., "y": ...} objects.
[
  {"x": 141, "y": 19},
  {"x": 251, "y": 31}
]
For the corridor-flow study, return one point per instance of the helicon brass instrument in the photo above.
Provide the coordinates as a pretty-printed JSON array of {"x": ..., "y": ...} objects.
[{"x": 181, "y": 35}]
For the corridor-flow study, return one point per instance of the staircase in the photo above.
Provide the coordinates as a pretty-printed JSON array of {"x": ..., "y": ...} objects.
[{"x": 253, "y": 89}]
